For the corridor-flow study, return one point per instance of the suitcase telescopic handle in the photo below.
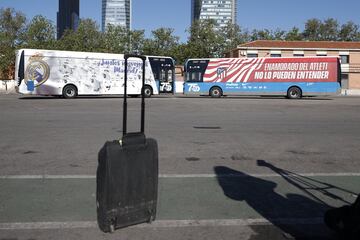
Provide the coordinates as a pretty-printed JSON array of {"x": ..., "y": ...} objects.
[{"x": 142, "y": 127}]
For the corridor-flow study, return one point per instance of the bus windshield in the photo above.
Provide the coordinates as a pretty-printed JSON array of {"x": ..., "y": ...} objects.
[{"x": 195, "y": 70}]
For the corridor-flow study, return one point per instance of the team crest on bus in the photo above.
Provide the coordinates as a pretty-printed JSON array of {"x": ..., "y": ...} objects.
[
  {"x": 221, "y": 72},
  {"x": 37, "y": 70}
]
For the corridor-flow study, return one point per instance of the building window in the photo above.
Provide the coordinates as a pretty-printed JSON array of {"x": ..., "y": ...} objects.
[
  {"x": 344, "y": 59},
  {"x": 252, "y": 55},
  {"x": 321, "y": 53},
  {"x": 275, "y": 55}
]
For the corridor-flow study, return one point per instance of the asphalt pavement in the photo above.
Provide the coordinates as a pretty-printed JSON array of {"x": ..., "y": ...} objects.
[{"x": 230, "y": 168}]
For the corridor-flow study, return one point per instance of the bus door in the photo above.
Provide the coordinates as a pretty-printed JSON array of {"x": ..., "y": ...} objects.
[
  {"x": 166, "y": 81},
  {"x": 164, "y": 74}
]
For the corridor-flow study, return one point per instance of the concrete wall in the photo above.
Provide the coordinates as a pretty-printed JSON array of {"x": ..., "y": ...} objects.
[{"x": 7, "y": 86}]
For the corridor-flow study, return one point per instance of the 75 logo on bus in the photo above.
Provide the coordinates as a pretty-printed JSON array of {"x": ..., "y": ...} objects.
[{"x": 193, "y": 87}]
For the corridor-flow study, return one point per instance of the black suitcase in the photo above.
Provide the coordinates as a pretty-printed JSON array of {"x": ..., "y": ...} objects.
[{"x": 127, "y": 174}]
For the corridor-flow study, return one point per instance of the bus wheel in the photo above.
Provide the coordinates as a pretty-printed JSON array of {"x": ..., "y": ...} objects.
[
  {"x": 70, "y": 91},
  {"x": 215, "y": 92},
  {"x": 294, "y": 93},
  {"x": 147, "y": 91}
]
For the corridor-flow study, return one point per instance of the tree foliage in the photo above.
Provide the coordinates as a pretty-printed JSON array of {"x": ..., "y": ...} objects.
[
  {"x": 349, "y": 32},
  {"x": 330, "y": 30},
  {"x": 204, "y": 41},
  {"x": 87, "y": 38},
  {"x": 12, "y": 28},
  {"x": 232, "y": 36},
  {"x": 40, "y": 33},
  {"x": 162, "y": 42},
  {"x": 294, "y": 35}
]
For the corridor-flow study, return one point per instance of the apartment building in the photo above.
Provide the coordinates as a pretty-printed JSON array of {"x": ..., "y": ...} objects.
[
  {"x": 67, "y": 16},
  {"x": 222, "y": 11},
  {"x": 117, "y": 13}
]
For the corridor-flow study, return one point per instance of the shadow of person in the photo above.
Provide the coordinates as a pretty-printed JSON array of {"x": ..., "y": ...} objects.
[{"x": 293, "y": 214}]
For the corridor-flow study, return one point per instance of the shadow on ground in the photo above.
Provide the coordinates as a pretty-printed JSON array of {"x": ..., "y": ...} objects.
[{"x": 280, "y": 210}]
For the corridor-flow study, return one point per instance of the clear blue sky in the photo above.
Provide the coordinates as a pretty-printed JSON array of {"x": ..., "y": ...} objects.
[{"x": 153, "y": 14}]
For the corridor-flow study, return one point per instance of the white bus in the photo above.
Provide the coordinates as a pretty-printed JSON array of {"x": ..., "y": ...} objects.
[{"x": 69, "y": 74}]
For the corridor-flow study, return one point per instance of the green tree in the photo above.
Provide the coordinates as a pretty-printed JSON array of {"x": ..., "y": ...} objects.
[
  {"x": 232, "y": 37},
  {"x": 118, "y": 39},
  {"x": 329, "y": 30},
  {"x": 115, "y": 39},
  {"x": 162, "y": 43},
  {"x": 136, "y": 43},
  {"x": 264, "y": 34},
  {"x": 12, "y": 27},
  {"x": 86, "y": 38},
  {"x": 40, "y": 33},
  {"x": 181, "y": 53},
  {"x": 279, "y": 34},
  {"x": 349, "y": 32},
  {"x": 294, "y": 35},
  {"x": 204, "y": 41},
  {"x": 312, "y": 30}
]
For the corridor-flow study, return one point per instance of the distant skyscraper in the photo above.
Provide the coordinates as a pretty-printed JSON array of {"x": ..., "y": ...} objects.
[
  {"x": 68, "y": 16},
  {"x": 222, "y": 11},
  {"x": 117, "y": 13}
]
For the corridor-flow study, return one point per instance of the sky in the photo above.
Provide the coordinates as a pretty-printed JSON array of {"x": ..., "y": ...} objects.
[{"x": 149, "y": 15}]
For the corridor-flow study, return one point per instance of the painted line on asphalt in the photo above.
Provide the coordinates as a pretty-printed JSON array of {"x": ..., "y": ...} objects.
[
  {"x": 184, "y": 176},
  {"x": 259, "y": 175},
  {"x": 164, "y": 223},
  {"x": 48, "y": 177}
]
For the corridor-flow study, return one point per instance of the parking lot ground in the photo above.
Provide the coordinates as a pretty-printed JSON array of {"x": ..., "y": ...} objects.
[
  {"x": 231, "y": 168},
  {"x": 228, "y": 198}
]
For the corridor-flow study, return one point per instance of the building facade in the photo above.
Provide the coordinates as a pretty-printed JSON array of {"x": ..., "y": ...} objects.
[
  {"x": 117, "y": 13},
  {"x": 67, "y": 16},
  {"x": 348, "y": 52},
  {"x": 222, "y": 11}
]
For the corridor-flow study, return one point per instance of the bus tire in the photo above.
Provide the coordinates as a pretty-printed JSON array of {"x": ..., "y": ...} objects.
[
  {"x": 148, "y": 91},
  {"x": 294, "y": 93},
  {"x": 70, "y": 91},
  {"x": 215, "y": 92}
]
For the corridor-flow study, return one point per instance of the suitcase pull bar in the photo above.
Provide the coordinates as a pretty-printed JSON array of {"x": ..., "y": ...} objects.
[{"x": 142, "y": 127}]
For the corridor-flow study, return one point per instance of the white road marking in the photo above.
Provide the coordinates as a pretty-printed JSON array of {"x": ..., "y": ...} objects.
[
  {"x": 164, "y": 223},
  {"x": 181, "y": 176},
  {"x": 259, "y": 175}
]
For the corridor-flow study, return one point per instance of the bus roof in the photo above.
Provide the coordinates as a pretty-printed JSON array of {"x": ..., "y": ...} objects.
[
  {"x": 62, "y": 53},
  {"x": 307, "y": 57}
]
